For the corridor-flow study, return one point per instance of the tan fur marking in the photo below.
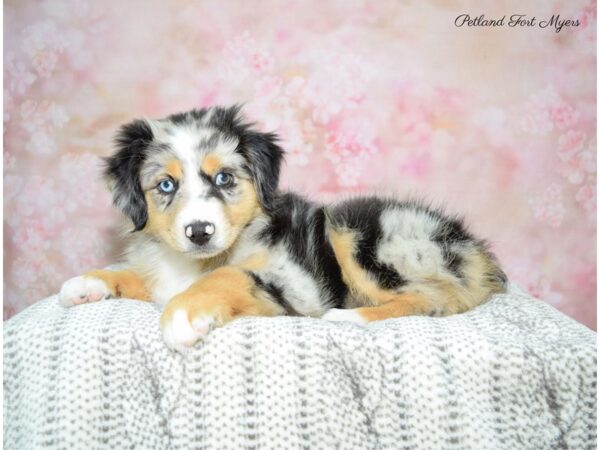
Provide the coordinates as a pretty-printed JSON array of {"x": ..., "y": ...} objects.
[
  {"x": 359, "y": 282},
  {"x": 224, "y": 294},
  {"x": 478, "y": 266},
  {"x": 244, "y": 210},
  {"x": 122, "y": 283},
  {"x": 255, "y": 262},
  {"x": 211, "y": 164},
  {"x": 160, "y": 223},
  {"x": 402, "y": 305},
  {"x": 173, "y": 168},
  {"x": 445, "y": 296},
  {"x": 448, "y": 296}
]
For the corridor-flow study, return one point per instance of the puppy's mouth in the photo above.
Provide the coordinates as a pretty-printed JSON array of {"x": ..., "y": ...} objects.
[{"x": 206, "y": 251}]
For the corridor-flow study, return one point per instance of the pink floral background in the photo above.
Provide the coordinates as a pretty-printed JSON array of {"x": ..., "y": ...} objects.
[{"x": 371, "y": 95}]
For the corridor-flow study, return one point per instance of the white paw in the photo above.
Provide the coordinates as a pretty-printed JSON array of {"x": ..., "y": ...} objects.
[
  {"x": 83, "y": 289},
  {"x": 179, "y": 334},
  {"x": 343, "y": 315}
]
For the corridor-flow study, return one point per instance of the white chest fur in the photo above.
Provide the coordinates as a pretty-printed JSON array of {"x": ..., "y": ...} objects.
[{"x": 166, "y": 271}]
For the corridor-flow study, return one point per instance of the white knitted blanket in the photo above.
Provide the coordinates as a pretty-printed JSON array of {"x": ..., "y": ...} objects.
[{"x": 512, "y": 374}]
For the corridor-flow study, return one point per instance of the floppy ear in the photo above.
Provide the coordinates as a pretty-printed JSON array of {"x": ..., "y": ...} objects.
[
  {"x": 123, "y": 171},
  {"x": 264, "y": 158}
]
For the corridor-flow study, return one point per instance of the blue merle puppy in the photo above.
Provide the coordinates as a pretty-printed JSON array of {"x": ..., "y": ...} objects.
[{"x": 214, "y": 239}]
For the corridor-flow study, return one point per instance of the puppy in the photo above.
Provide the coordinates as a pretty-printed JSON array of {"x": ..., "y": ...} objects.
[{"x": 210, "y": 237}]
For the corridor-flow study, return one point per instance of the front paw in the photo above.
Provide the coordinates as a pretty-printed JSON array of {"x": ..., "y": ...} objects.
[
  {"x": 185, "y": 321},
  {"x": 83, "y": 289}
]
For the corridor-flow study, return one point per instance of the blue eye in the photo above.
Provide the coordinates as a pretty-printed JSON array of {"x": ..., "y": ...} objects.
[
  {"x": 223, "y": 179},
  {"x": 167, "y": 186}
]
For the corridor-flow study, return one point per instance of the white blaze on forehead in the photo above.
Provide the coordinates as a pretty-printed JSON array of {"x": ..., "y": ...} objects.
[{"x": 185, "y": 143}]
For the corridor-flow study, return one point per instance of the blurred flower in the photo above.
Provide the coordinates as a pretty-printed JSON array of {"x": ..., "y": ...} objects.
[
  {"x": 56, "y": 115},
  {"x": 242, "y": 58},
  {"x": 577, "y": 168},
  {"x": 564, "y": 116},
  {"x": 34, "y": 277},
  {"x": 41, "y": 120},
  {"x": 416, "y": 164},
  {"x": 74, "y": 186},
  {"x": 537, "y": 122},
  {"x": 12, "y": 185},
  {"x": 8, "y": 106},
  {"x": 17, "y": 77},
  {"x": 492, "y": 120},
  {"x": 298, "y": 151},
  {"x": 42, "y": 41},
  {"x": 45, "y": 62},
  {"x": 586, "y": 197},
  {"x": 9, "y": 161},
  {"x": 337, "y": 81},
  {"x": 548, "y": 207},
  {"x": 569, "y": 144},
  {"x": 40, "y": 143},
  {"x": 587, "y": 159},
  {"x": 350, "y": 148},
  {"x": 31, "y": 237},
  {"x": 87, "y": 248},
  {"x": 537, "y": 118}
]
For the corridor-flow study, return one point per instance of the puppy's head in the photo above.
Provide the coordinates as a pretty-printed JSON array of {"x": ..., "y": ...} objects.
[{"x": 194, "y": 180}]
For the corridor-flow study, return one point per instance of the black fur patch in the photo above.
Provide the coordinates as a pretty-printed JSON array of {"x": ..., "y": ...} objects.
[
  {"x": 123, "y": 169},
  {"x": 362, "y": 216},
  {"x": 214, "y": 191},
  {"x": 264, "y": 158},
  {"x": 209, "y": 142},
  {"x": 260, "y": 150},
  {"x": 187, "y": 117},
  {"x": 301, "y": 227},
  {"x": 449, "y": 232},
  {"x": 453, "y": 262}
]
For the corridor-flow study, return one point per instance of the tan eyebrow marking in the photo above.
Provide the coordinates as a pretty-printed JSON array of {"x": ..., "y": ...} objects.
[
  {"x": 173, "y": 168},
  {"x": 211, "y": 164}
]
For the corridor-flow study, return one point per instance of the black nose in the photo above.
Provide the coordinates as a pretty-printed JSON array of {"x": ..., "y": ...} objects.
[{"x": 200, "y": 232}]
